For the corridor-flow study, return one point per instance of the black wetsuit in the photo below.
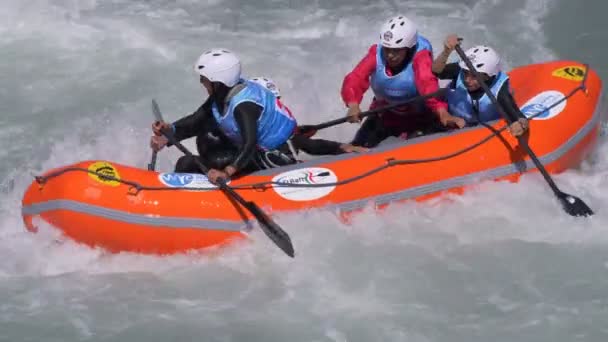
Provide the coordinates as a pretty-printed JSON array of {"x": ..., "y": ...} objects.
[
  {"x": 217, "y": 151},
  {"x": 302, "y": 142},
  {"x": 504, "y": 97}
]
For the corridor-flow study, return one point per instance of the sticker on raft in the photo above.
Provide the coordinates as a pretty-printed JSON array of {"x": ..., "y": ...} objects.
[
  {"x": 572, "y": 72},
  {"x": 312, "y": 175},
  {"x": 102, "y": 168},
  {"x": 542, "y": 101},
  {"x": 186, "y": 180}
]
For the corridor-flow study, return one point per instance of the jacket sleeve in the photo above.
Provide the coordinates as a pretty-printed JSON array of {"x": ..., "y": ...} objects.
[
  {"x": 356, "y": 82},
  {"x": 246, "y": 115},
  {"x": 315, "y": 146},
  {"x": 507, "y": 102},
  {"x": 426, "y": 82},
  {"x": 191, "y": 125}
]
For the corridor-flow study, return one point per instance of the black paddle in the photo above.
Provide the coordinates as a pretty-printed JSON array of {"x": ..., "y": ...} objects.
[
  {"x": 158, "y": 116},
  {"x": 307, "y": 129},
  {"x": 152, "y": 163},
  {"x": 270, "y": 228},
  {"x": 572, "y": 204}
]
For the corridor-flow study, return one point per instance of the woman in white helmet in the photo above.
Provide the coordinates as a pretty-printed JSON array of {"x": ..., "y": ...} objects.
[
  {"x": 398, "y": 68},
  {"x": 247, "y": 115},
  {"x": 301, "y": 140},
  {"x": 467, "y": 98}
]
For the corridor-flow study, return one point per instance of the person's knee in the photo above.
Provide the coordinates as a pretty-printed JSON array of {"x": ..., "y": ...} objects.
[
  {"x": 219, "y": 158},
  {"x": 209, "y": 141},
  {"x": 187, "y": 164},
  {"x": 370, "y": 134}
]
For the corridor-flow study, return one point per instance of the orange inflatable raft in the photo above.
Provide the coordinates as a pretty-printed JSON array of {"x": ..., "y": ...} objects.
[{"x": 123, "y": 208}]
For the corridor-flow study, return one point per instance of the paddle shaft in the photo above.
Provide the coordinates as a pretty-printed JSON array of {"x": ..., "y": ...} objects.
[
  {"x": 159, "y": 117},
  {"x": 521, "y": 139},
  {"x": 152, "y": 164},
  {"x": 375, "y": 111}
]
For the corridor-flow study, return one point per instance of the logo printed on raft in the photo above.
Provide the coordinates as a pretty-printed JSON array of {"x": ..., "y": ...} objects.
[
  {"x": 312, "y": 175},
  {"x": 102, "y": 170},
  {"x": 186, "y": 180},
  {"x": 542, "y": 101},
  {"x": 572, "y": 73}
]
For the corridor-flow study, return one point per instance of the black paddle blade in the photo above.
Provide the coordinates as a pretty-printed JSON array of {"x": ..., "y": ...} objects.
[
  {"x": 574, "y": 205},
  {"x": 272, "y": 230},
  {"x": 152, "y": 164},
  {"x": 156, "y": 111}
]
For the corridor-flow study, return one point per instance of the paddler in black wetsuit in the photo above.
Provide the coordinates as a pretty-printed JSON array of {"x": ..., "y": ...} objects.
[{"x": 251, "y": 129}]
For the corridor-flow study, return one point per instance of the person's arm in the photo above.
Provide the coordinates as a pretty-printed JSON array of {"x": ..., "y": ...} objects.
[
  {"x": 518, "y": 123},
  {"x": 190, "y": 125},
  {"x": 440, "y": 62},
  {"x": 316, "y": 146},
  {"x": 507, "y": 102},
  {"x": 426, "y": 82},
  {"x": 448, "y": 46},
  {"x": 357, "y": 82},
  {"x": 449, "y": 72},
  {"x": 246, "y": 115}
]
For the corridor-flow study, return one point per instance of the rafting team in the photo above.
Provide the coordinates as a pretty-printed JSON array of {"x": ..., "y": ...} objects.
[{"x": 243, "y": 126}]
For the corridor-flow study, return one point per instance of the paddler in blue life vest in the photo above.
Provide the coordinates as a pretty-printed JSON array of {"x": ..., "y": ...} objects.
[
  {"x": 467, "y": 98},
  {"x": 303, "y": 141},
  {"x": 247, "y": 116}
]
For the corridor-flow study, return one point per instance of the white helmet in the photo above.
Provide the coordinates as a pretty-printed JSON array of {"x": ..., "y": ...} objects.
[
  {"x": 268, "y": 84},
  {"x": 484, "y": 59},
  {"x": 219, "y": 65},
  {"x": 398, "y": 32}
]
